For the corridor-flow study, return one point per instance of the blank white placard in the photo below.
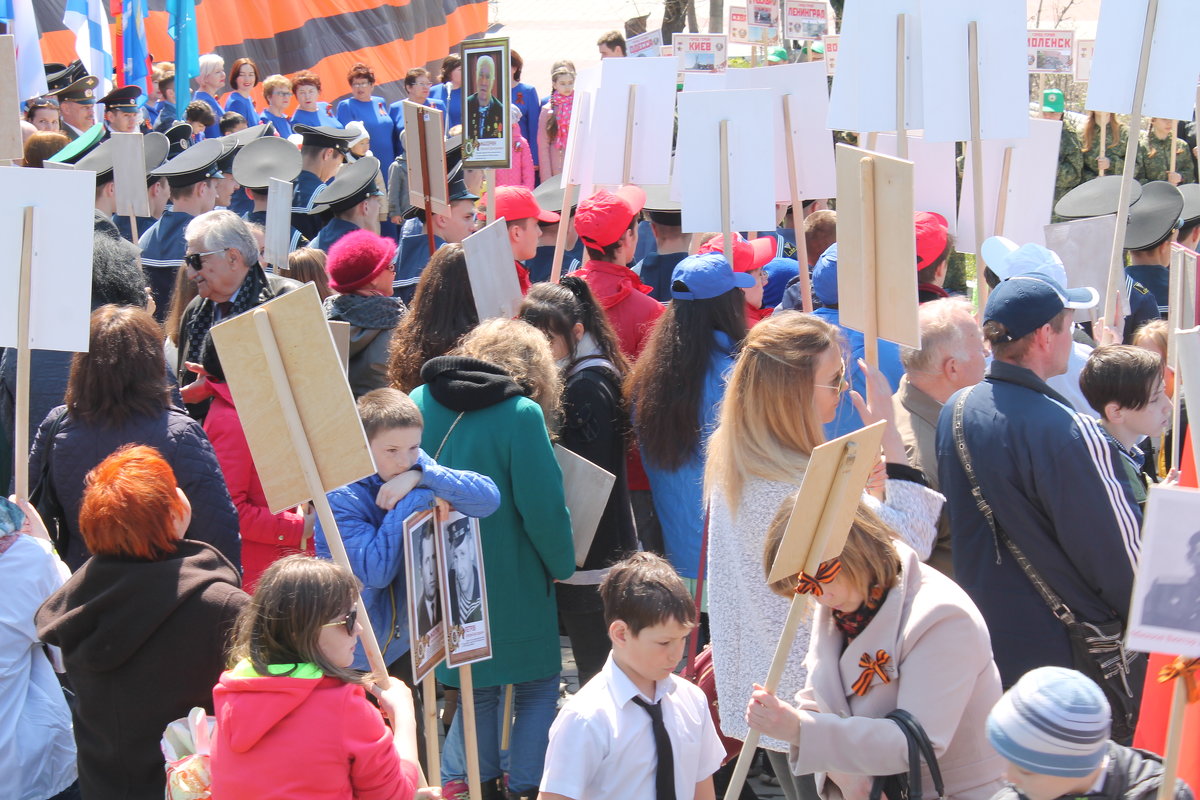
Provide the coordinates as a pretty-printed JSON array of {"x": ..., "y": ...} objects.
[
  {"x": 864, "y": 87},
  {"x": 491, "y": 271},
  {"x": 654, "y": 120},
  {"x": 935, "y": 180}
]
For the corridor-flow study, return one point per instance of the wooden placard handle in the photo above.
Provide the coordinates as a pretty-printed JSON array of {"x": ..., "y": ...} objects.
[
  {"x": 21, "y": 410},
  {"x": 806, "y": 301}
]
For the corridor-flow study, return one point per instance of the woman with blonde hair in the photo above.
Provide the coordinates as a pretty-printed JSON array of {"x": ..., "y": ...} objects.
[
  {"x": 785, "y": 385},
  {"x": 209, "y": 83},
  {"x": 918, "y": 643},
  {"x": 1112, "y": 160},
  {"x": 485, "y": 409}
]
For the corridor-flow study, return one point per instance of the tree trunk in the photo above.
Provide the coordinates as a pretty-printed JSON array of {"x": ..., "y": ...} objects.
[
  {"x": 674, "y": 18},
  {"x": 716, "y": 16},
  {"x": 693, "y": 23}
]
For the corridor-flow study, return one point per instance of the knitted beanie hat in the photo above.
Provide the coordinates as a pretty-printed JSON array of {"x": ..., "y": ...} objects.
[
  {"x": 1054, "y": 721},
  {"x": 356, "y": 258}
]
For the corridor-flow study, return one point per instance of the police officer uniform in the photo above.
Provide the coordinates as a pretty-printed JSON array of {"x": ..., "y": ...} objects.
[
  {"x": 164, "y": 245},
  {"x": 354, "y": 184},
  {"x": 307, "y": 184},
  {"x": 100, "y": 161},
  {"x": 82, "y": 91},
  {"x": 123, "y": 98},
  {"x": 255, "y": 165}
]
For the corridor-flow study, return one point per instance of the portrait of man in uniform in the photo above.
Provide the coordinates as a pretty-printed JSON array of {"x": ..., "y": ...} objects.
[
  {"x": 1174, "y": 603},
  {"x": 466, "y": 599}
]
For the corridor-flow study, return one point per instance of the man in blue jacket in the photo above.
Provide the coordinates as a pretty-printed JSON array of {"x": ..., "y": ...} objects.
[{"x": 1048, "y": 474}]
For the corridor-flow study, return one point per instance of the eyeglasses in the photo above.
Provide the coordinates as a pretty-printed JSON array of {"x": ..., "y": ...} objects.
[
  {"x": 350, "y": 621},
  {"x": 839, "y": 382},
  {"x": 192, "y": 260}
]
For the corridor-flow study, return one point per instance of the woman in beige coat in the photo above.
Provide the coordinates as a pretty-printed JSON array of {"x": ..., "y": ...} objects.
[{"x": 890, "y": 633}]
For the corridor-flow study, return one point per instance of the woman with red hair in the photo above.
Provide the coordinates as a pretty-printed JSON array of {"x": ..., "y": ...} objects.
[{"x": 142, "y": 625}]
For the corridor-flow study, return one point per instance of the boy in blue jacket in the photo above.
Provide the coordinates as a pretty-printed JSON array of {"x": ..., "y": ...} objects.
[{"x": 370, "y": 514}]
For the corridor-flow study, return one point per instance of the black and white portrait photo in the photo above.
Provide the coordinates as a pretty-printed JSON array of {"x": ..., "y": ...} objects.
[{"x": 1165, "y": 612}]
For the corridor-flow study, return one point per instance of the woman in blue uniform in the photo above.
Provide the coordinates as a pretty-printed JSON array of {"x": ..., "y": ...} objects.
[
  {"x": 525, "y": 97},
  {"x": 307, "y": 88},
  {"x": 417, "y": 83},
  {"x": 277, "y": 91},
  {"x": 449, "y": 89},
  {"x": 210, "y": 82},
  {"x": 243, "y": 78},
  {"x": 370, "y": 110}
]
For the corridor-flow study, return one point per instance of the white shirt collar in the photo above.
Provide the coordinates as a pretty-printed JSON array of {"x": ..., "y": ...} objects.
[{"x": 623, "y": 689}]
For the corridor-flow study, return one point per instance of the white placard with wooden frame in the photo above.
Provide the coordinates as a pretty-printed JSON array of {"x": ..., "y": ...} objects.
[
  {"x": 1083, "y": 246},
  {"x": 129, "y": 175},
  {"x": 464, "y": 590},
  {"x": 587, "y": 488},
  {"x": 1164, "y": 615},
  {"x": 864, "y": 95},
  {"x": 1051, "y": 51},
  {"x": 487, "y": 131},
  {"x": 435, "y": 194},
  {"x": 645, "y": 87},
  {"x": 491, "y": 270}
]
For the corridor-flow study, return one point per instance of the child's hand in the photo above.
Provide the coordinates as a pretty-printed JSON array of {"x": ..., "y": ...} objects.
[{"x": 397, "y": 489}]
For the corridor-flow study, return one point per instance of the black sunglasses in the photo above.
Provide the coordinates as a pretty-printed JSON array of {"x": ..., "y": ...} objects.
[
  {"x": 192, "y": 260},
  {"x": 350, "y": 620}
]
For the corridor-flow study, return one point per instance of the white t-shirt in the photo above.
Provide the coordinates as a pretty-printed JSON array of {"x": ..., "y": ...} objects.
[{"x": 602, "y": 743}]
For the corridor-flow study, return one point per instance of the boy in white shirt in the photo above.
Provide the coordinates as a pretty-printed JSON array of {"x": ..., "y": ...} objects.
[{"x": 636, "y": 731}]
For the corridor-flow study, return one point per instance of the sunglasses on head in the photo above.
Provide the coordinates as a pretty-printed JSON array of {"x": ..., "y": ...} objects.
[{"x": 350, "y": 620}]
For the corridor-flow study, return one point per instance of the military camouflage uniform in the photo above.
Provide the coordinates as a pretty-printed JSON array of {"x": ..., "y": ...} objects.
[
  {"x": 1115, "y": 151},
  {"x": 1154, "y": 159},
  {"x": 1070, "y": 161}
]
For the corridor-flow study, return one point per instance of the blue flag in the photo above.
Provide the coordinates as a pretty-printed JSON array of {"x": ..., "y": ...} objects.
[
  {"x": 181, "y": 25},
  {"x": 6, "y": 11},
  {"x": 135, "y": 50}
]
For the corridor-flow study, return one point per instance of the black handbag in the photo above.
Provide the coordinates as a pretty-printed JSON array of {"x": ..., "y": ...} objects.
[
  {"x": 43, "y": 495},
  {"x": 1097, "y": 649},
  {"x": 907, "y": 785}
]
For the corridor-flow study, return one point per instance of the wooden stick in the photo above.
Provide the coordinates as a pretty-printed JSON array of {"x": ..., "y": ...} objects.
[
  {"x": 1002, "y": 196},
  {"x": 866, "y": 176},
  {"x": 470, "y": 737},
  {"x": 981, "y": 287},
  {"x": 1116, "y": 267},
  {"x": 797, "y": 612},
  {"x": 564, "y": 223},
  {"x": 506, "y": 731},
  {"x": 426, "y": 188},
  {"x": 1175, "y": 290},
  {"x": 630, "y": 114},
  {"x": 490, "y": 176},
  {"x": 1102, "y": 118},
  {"x": 727, "y": 236},
  {"x": 872, "y": 140},
  {"x": 1171, "y": 144},
  {"x": 21, "y": 425},
  {"x": 806, "y": 301},
  {"x": 133, "y": 227},
  {"x": 432, "y": 756},
  {"x": 1166, "y": 790},
  {"x": 901, "y": 126}
]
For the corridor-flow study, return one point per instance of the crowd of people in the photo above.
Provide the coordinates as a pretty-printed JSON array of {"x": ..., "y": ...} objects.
[{"x": 147, "y": 573}]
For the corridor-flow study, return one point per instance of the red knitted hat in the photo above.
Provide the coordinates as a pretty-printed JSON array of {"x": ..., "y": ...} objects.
[{"x": 356, "y": 258}]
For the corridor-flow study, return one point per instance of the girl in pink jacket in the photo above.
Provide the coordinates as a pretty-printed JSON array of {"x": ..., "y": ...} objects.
[
  {"x": 292, "y": 719},
  {"x": 521, "y": 173}
]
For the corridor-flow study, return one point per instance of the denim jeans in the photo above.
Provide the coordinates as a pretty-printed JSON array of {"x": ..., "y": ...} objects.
[{"x": 534, "y": 706}]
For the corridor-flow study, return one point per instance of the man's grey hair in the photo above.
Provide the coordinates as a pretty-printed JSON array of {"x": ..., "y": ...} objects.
[
  {"x": 221, "y": 230},
  {"x": 485, "y": 61},
  {"x": 942, "y": 324}
]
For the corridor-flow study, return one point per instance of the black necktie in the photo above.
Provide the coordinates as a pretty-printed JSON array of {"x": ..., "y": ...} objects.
[{"x": 664, "y": 773}]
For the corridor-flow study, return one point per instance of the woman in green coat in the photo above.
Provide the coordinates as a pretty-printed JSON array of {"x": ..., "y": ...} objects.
[
  {"x": 1116, "y": 136},
  {"x": 486, "y": 409}
]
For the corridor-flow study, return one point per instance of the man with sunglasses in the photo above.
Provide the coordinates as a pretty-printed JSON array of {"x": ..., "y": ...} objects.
[
  {"x": 191, "y": 176},
  {"x": 322, "y": 151}
]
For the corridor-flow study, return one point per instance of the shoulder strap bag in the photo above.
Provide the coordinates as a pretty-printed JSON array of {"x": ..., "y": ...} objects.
[
  {"x": 44, "y": 497},
  {"x": 907, "y": 785}
]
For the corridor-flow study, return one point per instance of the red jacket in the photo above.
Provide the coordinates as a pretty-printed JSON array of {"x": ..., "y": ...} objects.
[
  {"x": 303, "y": 739},
  {"x": 627, "y": 300},
  {"x": 266, "y": 537}
]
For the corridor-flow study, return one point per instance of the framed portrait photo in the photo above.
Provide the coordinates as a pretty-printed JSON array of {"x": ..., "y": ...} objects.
[
  {"x": 464, "y": 591},
  {"x": 1164, "y": 616},
  {"x": 486, "y": 111},
  {"x": 422, "y": 557}
]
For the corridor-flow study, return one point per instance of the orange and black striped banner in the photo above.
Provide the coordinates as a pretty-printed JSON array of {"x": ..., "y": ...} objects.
[{"x": 324, "y": 36}]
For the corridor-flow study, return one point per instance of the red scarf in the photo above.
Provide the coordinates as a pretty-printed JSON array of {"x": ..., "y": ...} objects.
[
  {"x": 852, "y": 623},
  {"x": 561, "y": 105}
]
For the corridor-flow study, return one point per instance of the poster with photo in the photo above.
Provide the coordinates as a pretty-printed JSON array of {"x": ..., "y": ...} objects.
[
  {"x": 701, "y": 52},
  {"x": 1051, "y": 52},
  {"x": 831, "y": 51},
  {"x": 739, "y": 25},
  {"x": 804, "y": 19},
  {"x": 422, "y": 557},
  {"x": 1083, "y": 59},
  {"x": 1164, "y": 616},
  {"x": 464, "y": 590},
  {"x": 487, "y": 129},
  {"x": 644, "y": 44},
  {"x": 764, "y": 22}
]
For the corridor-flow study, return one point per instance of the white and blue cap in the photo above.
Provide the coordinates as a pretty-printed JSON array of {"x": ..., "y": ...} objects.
[
  {"x": 1007, "y": 260},
  {"x": 703, "y": 277},
  {"x": 1054, "y": 721}
]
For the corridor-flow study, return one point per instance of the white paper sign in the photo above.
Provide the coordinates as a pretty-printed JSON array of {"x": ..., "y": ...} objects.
[
  {"x": 61, "y": 270},
  {"x": 491, "y": 270},
  {"x": 804, "y": 19},
  {"x": 1084, "y": 50},
  {"x": 1085, "y": 247},
  {"x": 1030, "y": 196},
  {"x": 1003, "y": 78},
  {"x": 644, "y": 44},
  {"x": 129, "y": 174},
  {"x": 653, "y": 122},
  {"x": 751, "y": 166},
  {"x": 1164, "y": 615},
  {"x": 831, "y": 54},
  {"x": 577, "y": 160},
  {"x": 764, "y": 21},
  {"x": 279, "y": 223},
  {"x": 864, "y": 90},
  {"x": 739, "y": 25},
  {"x": 701, "y": 52},
  {"x": 1174, "y": 59},
  {"x": 935, "y": 179},
  {"x": 1051, "y": 51}
]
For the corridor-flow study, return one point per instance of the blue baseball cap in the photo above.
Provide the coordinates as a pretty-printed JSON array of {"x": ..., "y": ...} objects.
[
  {"x": 706, "y": 276},
  {"x": 1024, "y": 303},
  {"x": 779, "y": 271},
  {"x": 824, "y": 277}
]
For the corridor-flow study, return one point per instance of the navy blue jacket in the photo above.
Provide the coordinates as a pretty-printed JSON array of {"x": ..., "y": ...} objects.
[
  {"x": 305, "y": 186},
  {"x": 411, "y": 257},
  {"x": 655, "y": 271},
  {"x": 163, "y": 249},
  {"x": 1052, "y": 480},
  {"x": 335, "y": 229}
]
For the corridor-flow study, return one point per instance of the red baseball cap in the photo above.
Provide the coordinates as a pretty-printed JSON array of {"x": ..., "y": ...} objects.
[
  {"x": 748, "y": 255},
  {"x": 932, "y": 233},
  {"x": 602, "y": 218},
  {"x": 516, "y": 203}
]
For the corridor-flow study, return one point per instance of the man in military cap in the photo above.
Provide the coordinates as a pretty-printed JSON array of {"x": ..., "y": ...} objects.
[
  {"x": 121, "y": 109},
  {"x": 77, "y": 106},
  {"x": 179, "y": 137},
  {"x": 1070, "y": 149},
  {"x": 100, "y": 161},
  {"x": 413, "y": 254},
  {"x": 1153, "y": 220},
  {"x": 1176, "y": 604},
  {"x": 253, "y": 168},
  {"x": 322, "y": 152},
  {"x": 1189, "y": 231},
  {"x": 191, "y": 176},
  {"x": 350, "y": 202},
  {"x": 1154, "y": 155}
]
